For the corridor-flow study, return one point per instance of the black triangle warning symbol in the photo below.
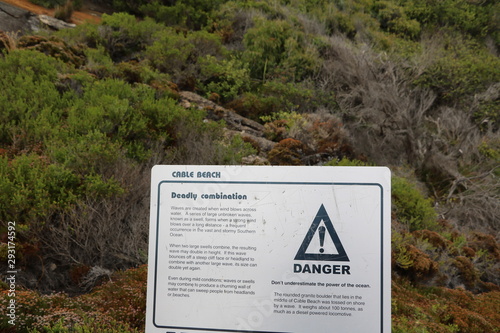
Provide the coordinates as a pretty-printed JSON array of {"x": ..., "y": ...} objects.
[{"x": 326, "y": 228}]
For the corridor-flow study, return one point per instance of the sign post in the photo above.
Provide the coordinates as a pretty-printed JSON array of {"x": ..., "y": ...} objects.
[{"x": 269, "y": 249}]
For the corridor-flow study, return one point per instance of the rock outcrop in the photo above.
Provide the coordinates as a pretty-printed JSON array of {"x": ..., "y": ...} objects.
[
  {"x": 17, "y": 20},
  {"x": 250, "y": 130},
  {"x": 20, "y": 21}
]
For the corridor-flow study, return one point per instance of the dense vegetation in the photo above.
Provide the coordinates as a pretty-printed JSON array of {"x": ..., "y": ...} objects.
[{"x": 86, "y": 112}]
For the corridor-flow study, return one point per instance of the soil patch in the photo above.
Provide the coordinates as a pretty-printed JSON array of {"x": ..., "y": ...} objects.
[{"x": 89, "y": 11}]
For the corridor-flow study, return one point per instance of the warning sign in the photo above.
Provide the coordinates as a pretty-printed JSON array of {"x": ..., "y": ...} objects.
[
  {"x": 269, "y": 249},
  {"x": 322, "y": 226}
]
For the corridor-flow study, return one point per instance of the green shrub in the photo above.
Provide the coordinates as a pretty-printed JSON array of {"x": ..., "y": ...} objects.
[
  {"x": 83, "y": 34},
  {"x": 65, "y": 136},
  {"x": 32, "y": 189},
  {"x": 226, "y": 78},
  {"x": 277, "y": 49},
  {"x": 491, "y": 149},
  {"x": 461, "y": 67},
  {"x": 48, "y": 3},
  {"x": 123, "y": 35},
  {"x": 179, "y": 54},
  {"x": 392, "y": 18},
  {"x": 288, "y": 118},
  {"x": 118, "y": 119},
  {"x": 115, "y": 307},
  {"x": 347, "y": 162},
  {"x": 471, "y": 17},
  {"x": 411, "y": 207},
  {"x": 86, "y": 153},
  {"x": 191, "y": 14},
  {"x": 31, "y": 103},
  {"x": 349, "y": 18},
  {"x": 96, "y": 186},
  {"x": 487, "y": 115},
  {"x": 99, "y": 62},
  {"x": 275, "y": 96},
  {"x": 235, "y": 150}
]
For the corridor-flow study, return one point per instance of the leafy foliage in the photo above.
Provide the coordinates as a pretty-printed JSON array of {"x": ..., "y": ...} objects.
[
  {"x": 122, "y": 36},
  {"x": 226, "y": 78},
  {"x": 392, "y": 18},
  {"x": 30, "y": 97},
  {"x": 463, "y": 69},
  {"x": 32, "y": 188},
  {"x": 473, "y": 17},
  {"x": 347, "y": 162},
  {"x": 275, "y": 98},
  {"x": 85, "y": 113},
  {"x": 277, "y": 49},
  {"x": 115, "y": 306},
  {"x": 411, "y": 206},
  {"x": 191, "y": 14},
  {"x": 70, "y": 143},
  {"x": 444, "y": 310},
  {"x": 49, "y": 3},
  {"x": 183, "y": 55}
]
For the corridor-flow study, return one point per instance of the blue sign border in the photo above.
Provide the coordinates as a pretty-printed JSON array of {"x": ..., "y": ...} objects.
[{"x": 267, "y": 183}]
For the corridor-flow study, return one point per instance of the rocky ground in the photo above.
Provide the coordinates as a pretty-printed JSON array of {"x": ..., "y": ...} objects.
[
  {"x": 22, "y": 16},
  {"x": 14, "y": 19}
]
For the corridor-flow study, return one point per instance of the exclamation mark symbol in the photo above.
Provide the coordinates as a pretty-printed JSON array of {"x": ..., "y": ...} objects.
[{"x": 321, "y": 238}]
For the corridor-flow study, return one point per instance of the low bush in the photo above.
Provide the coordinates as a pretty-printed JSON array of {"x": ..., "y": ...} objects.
[
  {"x": 49, "y": 3},
  {"x": 32, "y": 189},
  {"x": 65, "y": 11},
  {"x": 235, "y": 149},
  {"x": 425, "y": 309},
  {"x": 471, "y": 17},
  {"x": 180, "y": 55},
  {"x": 277, "y": 49},
  {"x": 347, "y": 162},
  {"x": 226, "y": 78},
  {"x": 275, "y": 97},
  {"x": 191, "y": 14},
  {"x": 460, "y": 68},
  {"x": 32, "y": 106},
  {"x": 411, "y": 207},
  {"x": 287, "y": 152},
  {"x": 393, "y": 18},
  {"x": 72, "y": 145},
  {"x": 123, "y": 36},
  {"x": 116, "y": 306}
]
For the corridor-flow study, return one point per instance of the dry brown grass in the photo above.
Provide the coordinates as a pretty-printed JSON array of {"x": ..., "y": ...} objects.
[
  {"x": 395, "y": 123},
  {"x": 64, "y": 12}
]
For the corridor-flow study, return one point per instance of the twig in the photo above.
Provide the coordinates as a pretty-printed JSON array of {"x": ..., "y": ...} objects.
[{"x": 456, "y": 182}]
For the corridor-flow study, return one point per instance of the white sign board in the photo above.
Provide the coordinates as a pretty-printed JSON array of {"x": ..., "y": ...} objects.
[{"x": 269, "y": 249}]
